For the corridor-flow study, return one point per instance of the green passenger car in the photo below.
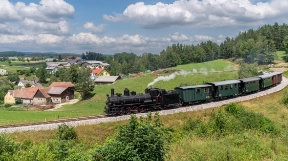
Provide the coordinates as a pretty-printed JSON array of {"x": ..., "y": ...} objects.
[
  {"x": 224, "y": 89},
  {"x": 193, "y": 94},
  {"x": 249, "y": 85},
  {"x": 266, "y": 81}
]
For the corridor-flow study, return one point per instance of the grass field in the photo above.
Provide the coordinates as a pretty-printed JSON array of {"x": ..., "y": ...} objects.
[
  {"x": 247, "y": 145},
  {"x": 19, "y": 65},
  {"x": 96, "y": 104}
]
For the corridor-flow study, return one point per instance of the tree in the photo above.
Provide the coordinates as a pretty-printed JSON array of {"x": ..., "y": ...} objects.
[
  {"x": 66, "y": 133},
  {"x": 247, "y": 70},
  {"x": 41, "y": 73},
  {"x": 84, "y": 85},
  {"x": 139, "y": 140},
  {"x": 13, "y": 77}
]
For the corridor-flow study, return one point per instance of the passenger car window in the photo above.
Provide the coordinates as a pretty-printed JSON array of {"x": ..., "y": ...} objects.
[
  {"x": 206, "y": 90},
  {"x": 198, "y": 91}
]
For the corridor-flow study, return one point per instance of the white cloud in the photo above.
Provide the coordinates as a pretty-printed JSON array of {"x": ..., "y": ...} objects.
[
  {"x": 46, "y": 10},
  {"x": 95, "y": 29},
  {"x": 47, "y": 16},
  {"x": 208, "y": 13},
  {"x": 82, "y": 42},
  {"x": 7, "y": 11}
]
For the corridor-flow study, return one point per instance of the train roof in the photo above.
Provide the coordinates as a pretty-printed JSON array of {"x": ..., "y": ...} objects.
[
  {"x": 196, "y": 86},
  {"x": 266, "y": 75},
  {"x": 225, "y": 82},
  {"x": 249, "y": 79},
  {"x": 269, "y": 74}
]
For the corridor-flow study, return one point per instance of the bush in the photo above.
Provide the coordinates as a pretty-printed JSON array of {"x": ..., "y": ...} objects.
[
  {"x": 139, "y": 140},
  {"x": 66, "y": 133},
  {"x": 232, "y": 119}
]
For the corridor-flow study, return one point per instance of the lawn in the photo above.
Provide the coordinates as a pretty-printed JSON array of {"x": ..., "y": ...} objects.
[
  {"x": 19, "y": 65},
  {"x": 96, "y": 104}
]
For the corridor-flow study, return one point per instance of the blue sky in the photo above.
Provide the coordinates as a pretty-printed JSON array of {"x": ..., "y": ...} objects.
[{"x": 114, "y": 26}]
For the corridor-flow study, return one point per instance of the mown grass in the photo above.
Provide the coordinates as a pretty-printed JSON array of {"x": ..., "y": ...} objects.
[{"x": 211, "y": 66}]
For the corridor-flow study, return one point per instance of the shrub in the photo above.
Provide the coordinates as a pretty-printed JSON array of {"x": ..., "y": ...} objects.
[
  {"x": 66, "y": 133},
  {"x": 232, "y": 119},
  {"x": 139, "y": 140}
]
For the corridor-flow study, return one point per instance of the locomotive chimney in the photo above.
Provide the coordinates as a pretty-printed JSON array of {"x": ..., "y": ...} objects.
[
  {"x": 112, "y": 91},
  {"x": 126, "y": 92}
]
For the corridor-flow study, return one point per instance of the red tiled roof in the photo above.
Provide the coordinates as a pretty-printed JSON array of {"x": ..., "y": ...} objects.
[
  {"x": 24, "y": 92},
  {"x": 61, "y": 84},
  {"x": 97, "y": 71}
]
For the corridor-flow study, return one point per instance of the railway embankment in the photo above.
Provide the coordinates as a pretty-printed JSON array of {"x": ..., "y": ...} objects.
[{"x": 102, "y": 119}]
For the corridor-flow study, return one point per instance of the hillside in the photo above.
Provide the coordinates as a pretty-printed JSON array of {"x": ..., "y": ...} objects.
[{"x": 197, "y": 73}]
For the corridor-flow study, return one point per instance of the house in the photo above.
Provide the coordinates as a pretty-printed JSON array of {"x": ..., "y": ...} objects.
[
  {"x": 106, "y": 79},
  {"x": 23, "y": 83},
  {"x": 42, "y": 97},
  {"x": 25, "y": 94},
  {"x": 57, "y": 92},
  {"x": 3, "y": 72},
  {"x": 61, "y": 92},
  {"x": 100, "y": 72}
]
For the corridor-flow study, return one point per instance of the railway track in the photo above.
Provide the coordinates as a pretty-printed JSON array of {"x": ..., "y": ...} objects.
[{"x": 96, "y": 119}]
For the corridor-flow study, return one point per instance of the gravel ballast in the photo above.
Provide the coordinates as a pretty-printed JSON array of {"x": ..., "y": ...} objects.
[{"x": 52, "y": 126}]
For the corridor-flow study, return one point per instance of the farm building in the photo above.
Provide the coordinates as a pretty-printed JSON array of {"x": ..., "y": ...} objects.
[
  {"x": 25, "y": 94},
  {"x": 57, "y": 92},
  {"x": 61, "y": 92},
  {"x": 106, "y": 79},
  {"x": 99, "y": 72}
]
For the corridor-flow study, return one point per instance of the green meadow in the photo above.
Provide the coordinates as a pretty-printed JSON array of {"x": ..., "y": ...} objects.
[{"x": 209, "y": 71}]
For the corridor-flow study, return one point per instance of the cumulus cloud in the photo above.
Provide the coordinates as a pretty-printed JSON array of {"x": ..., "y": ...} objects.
[
  {"x": 95, "y": 29},
  {"x": 47, "y": 16},
  {"x": 208, "y": 13},
  {"x": 106, "y": 44}
]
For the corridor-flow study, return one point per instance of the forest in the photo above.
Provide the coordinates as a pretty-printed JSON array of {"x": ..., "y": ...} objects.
[{"x": 253, "y": 46}]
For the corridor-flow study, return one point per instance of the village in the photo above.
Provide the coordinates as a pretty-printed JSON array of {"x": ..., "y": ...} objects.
[{"x": 29, "y": 92}]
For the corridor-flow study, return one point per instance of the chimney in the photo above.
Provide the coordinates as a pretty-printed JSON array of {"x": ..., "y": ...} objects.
[{"x": 112, "y": 91}]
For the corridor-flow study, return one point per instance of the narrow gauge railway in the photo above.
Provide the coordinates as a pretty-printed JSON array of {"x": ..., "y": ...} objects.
[
  {"x": 50, "y": 125},
  {"x": 159, "y": 99}
]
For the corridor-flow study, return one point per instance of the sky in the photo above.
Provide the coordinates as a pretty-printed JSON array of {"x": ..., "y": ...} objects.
[{"x": 114, "y": 26}]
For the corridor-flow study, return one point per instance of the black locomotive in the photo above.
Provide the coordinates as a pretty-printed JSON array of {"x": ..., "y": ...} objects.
[{"x": 153, "y": 99}]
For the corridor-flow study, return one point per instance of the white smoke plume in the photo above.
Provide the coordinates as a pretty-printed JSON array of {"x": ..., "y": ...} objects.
[{"x": 169, "y": 77}]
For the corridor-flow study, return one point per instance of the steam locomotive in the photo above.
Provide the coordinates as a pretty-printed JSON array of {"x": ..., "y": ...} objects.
[
  {"x": 159, "y": 99},
  {"x": 153, "y": 99}
]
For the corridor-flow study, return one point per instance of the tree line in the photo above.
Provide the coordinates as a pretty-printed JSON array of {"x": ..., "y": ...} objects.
[{"x": 253, "y": 46}]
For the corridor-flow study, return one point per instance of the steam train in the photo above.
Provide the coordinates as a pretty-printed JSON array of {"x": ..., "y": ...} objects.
[{"x": 160, "y": 99}]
